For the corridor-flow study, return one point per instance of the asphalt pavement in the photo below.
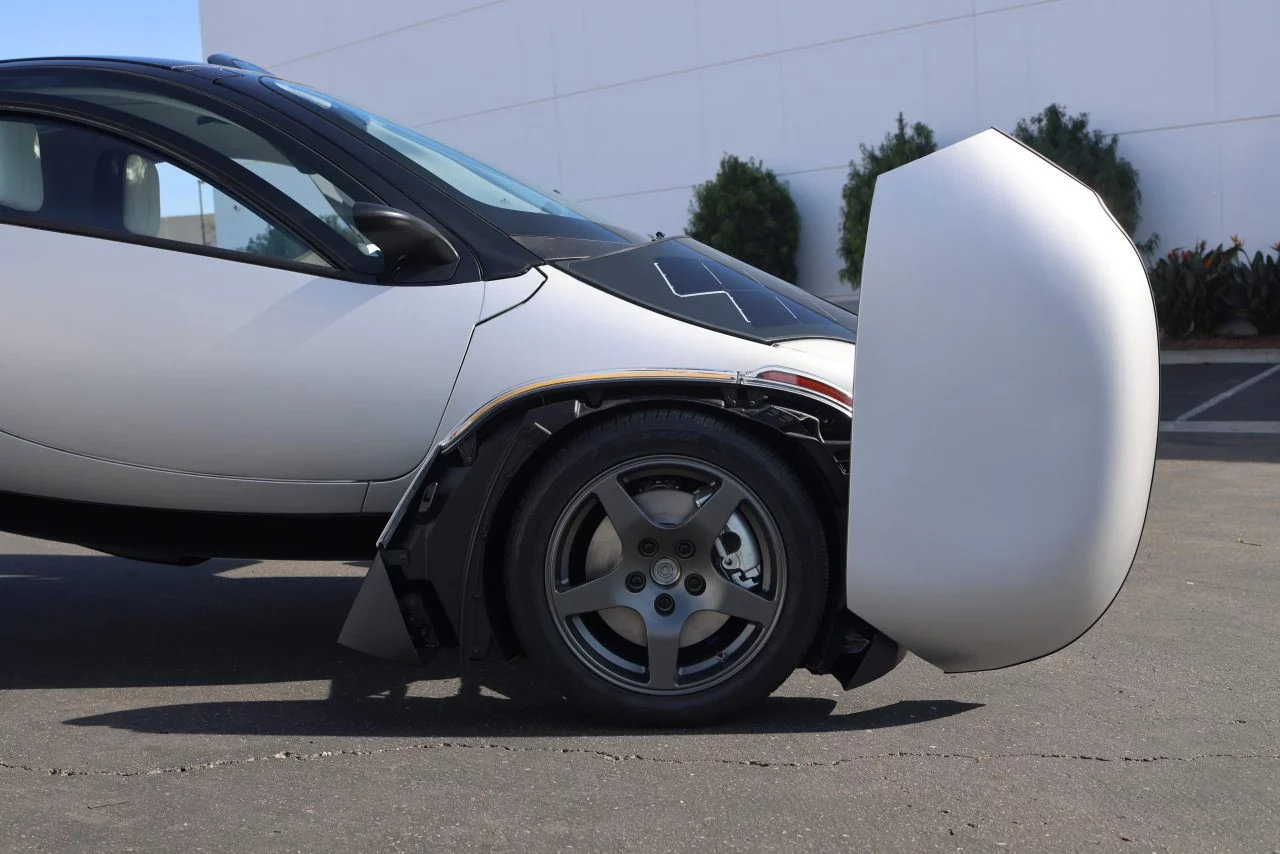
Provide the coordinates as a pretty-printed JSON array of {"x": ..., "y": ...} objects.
[{"x": 209, "y": 709}]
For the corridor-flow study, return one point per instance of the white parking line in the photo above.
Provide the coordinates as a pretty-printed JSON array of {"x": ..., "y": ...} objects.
[
  {"x": 1269, "y": 427},
  {"x": 1234, "y": 390}
]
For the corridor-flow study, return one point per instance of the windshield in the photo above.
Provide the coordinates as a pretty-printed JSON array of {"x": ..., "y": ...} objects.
[{"x": 504, "y": 200}]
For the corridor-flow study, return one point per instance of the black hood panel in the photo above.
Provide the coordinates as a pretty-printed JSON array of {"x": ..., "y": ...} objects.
[{"x": 685, "y": 279}]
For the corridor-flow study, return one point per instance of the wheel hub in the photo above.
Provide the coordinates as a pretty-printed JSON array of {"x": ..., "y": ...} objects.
[
  {"x": 668, "y": 507},
  {"x": 665, "y": 571}
]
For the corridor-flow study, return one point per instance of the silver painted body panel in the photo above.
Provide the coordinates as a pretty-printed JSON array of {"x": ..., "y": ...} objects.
[
  {"x": 30, "y": 469},
  {"x": 173, "y": 380},
  {"x": 504, "y": 294},
  {"x": 838, "y": 354},
  {"x": 572, "y": 328},
  {"x": 1006, "y": 414},
  {"x": 383, "y": 495},
  {"x": 206, "y": 366},
  {"x": 569, "y": 328}
]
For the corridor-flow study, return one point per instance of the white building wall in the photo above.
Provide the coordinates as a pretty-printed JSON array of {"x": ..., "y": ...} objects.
[{"x": 625, "y": 105}]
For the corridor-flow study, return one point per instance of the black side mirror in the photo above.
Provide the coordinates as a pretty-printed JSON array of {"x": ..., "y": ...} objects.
[{"x": 412, "y": 249}]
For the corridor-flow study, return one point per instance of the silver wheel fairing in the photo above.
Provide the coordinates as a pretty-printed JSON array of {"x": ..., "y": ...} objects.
[
  {"x": 665, "y": 575},
  {"x": 1034, "y": 491}
]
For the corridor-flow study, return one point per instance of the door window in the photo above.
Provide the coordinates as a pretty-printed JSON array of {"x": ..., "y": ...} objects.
[
  {"x": 68, "y": 175},
  {"x": 226, "y": 142}
]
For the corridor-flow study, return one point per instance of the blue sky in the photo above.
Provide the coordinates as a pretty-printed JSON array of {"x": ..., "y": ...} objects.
[{"x": 163, "y": 28}]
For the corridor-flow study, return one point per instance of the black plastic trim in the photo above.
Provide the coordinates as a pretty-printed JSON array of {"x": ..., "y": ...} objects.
[
  {"x": 551, "y": 248},
  {"x": 230, "y": 61}
]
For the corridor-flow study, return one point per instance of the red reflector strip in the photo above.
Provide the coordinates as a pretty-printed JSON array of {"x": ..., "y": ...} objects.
[{"x": 828, "y": 391}]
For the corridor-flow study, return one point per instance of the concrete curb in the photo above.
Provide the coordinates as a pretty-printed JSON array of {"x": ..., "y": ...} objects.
[{"x": 1220, "y": 357}]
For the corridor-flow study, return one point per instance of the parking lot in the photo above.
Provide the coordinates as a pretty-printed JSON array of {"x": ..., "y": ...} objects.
[{"x": 157, "y": 708}]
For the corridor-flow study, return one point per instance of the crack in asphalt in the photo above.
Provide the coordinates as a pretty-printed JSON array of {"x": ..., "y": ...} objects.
[{"x": 288, "y": 755}]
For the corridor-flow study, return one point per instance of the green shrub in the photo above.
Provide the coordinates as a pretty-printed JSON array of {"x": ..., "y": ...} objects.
[
  {"x": 747, "y": 212},
  {"x": 1197, "y": 289},
  {"x": 1262, "y": 275},
  {"x": 1092, "y": 157},
  {"x": 898, "y": 149},
  {"x": 1193, "y": 288}
]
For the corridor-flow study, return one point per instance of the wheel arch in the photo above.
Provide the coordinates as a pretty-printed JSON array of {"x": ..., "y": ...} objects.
[
  {"x": 829, "y": 493},
  {"x": 444, "y": 546}
]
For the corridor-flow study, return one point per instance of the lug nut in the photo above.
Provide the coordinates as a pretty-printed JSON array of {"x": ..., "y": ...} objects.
[
  {"x": 648, "y": 548},
  {"x": 635, "y": 582},
  {"x": 696, "y": 585},
  {"x": 684, "y": 549},
  {"x": 664, "y": 604}
]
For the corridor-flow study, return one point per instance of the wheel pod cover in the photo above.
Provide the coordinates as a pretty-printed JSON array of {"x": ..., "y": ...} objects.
[{"x": 1006, "y": 408}]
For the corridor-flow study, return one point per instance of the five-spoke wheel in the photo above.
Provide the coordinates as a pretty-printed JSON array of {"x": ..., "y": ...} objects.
[
  {"x": 652, "y": 536},
  {"x": 666, "y": 567}
]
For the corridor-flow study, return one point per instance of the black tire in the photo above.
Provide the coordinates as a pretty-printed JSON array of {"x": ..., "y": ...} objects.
[{"x": 639, "y": 435}]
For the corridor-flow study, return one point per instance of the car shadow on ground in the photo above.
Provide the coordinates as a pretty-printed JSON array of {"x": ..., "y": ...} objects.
[
  {"x": 475, "y": 715},
  {"x": 87, "y": 621}
]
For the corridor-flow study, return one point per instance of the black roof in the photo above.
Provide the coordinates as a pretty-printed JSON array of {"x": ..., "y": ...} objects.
[{"x": 132, "y": 60}]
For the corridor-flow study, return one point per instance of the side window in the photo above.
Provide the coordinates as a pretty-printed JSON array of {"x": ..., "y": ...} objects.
[
  {"x": 70, "y": 175},
  {"x": 229, "y": 144}
]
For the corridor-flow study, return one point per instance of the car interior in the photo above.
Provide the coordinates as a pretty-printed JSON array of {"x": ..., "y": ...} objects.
[
  {"x": 74, "y": 176},
  {"x": 58, "y": 173}
]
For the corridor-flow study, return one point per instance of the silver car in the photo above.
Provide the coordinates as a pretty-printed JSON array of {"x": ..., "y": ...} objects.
[{"x": 241, "y": 318}]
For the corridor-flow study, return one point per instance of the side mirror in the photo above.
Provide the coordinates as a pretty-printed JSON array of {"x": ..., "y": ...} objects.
[{"x": 413, "y": 250}]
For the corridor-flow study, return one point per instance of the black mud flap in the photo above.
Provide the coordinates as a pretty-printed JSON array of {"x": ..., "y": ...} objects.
[
  {"x": 377, "y": 624},
  {"x": 854, "y": 652},
  {"x": 425, "y": 588},
  {"x": 880, "y": 656},
  {"x": 398, "y": 613}
]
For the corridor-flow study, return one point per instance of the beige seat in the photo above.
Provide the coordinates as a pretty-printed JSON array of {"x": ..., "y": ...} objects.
[
  {"x": 21, "y": 174},
  {"x": 140, "y": 197}
]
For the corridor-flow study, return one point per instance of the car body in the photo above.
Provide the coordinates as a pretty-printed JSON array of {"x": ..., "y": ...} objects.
[{"x": 241, "y": 318}]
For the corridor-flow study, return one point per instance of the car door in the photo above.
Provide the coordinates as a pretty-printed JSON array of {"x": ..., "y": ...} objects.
[
  {"x": 1006, "y": 408},
  {"x": 183, "y": 294}
]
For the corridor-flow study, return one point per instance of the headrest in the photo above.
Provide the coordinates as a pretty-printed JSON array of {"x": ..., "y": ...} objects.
[
  {"x": 21, "y": 178},
  {"x": 141, "y": 196}
]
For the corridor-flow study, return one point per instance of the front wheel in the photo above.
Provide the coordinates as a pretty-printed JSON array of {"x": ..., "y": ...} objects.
[{"x": 666, "y": 568}]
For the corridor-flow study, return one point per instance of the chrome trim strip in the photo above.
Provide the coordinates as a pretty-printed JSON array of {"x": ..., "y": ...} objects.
[
  {"x": 402, "y": 506},
  {"x": 580, "y": 379}
]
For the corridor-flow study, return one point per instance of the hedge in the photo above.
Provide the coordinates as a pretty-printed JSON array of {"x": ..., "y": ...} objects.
[{"x": 747, "y": 212}]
